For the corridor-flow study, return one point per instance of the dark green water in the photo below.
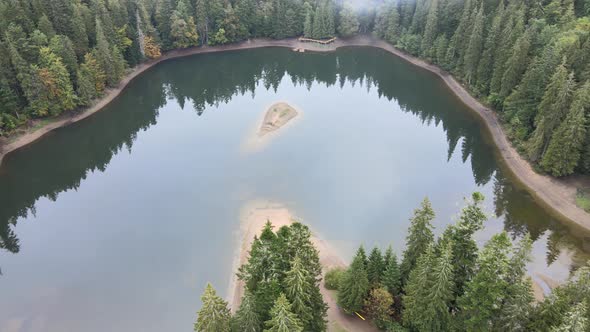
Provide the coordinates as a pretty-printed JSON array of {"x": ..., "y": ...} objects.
[{"x": 117, "y": 222}]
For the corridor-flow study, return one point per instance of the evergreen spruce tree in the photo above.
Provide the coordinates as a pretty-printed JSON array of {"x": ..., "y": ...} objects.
[
  {"x": 473, "y": 53},
  {"x": 163, "y": 14},
  {"x": 391, "y": 275},
  {"x": 319, "y": 25},
  {"x": 437, "y": 316},
  {"x": 214, "y": 316},
  {"x": 440, "y": 50},
  {"x": 419, "y": 17},
  {"x": 45, "y": 26},
  {"x": 80, "y": 33},
  {"x": 354, "y": 286},
  {"x": 246, "y": 319},
  {"x": 463, "y": 245},
  {"x": 565, "y": 147},
  {"x": 62, "y": 47},
  {"x": 553, "y": 108},
  {"x": 486, "y": 62},
  {"x": 524, "y": 100},
  {"x": 392, "y": 33},
  {"x": 349, "y": 24},
  {"x": 419, "y": 237},
  {"x": 417, "y": 291},
  {"x": 330, "y": 24},
  {"x": 553, "y": 311},
  {"x": 106, "y": 57},
  {"x": 375, "y": 267},
  {"x": 517, "y": 305},
  {"x": 455, "y": 50},
  {"x": 298, "y": 287},
  {"x": 308, "y": 24},
  {"x": 282, "y": 318},
  {"x": 431, "y": 29},
  {"x": 576, "y": 320},
  {"x": 183, "y": 30},
  {"x": 360, "y": 252},
  {"x": 516, "y": 65},
  {"x": 381, "y": 20},
  {"x": 482, "y": 301},
  {"x": 513, "y": 26}
]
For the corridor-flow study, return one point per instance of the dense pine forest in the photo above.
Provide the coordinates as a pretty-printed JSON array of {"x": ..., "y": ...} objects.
[
  {"x": 529, "y": 60},
  {"x": 440, "y": 284}
]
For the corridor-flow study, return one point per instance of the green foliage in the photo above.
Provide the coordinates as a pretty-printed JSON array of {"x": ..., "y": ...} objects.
[
  {"x": 483, "y": 297},
  {"x": 553, "y": 108},
  {"x": 214, "y": 316},
  {"x": 375, "y": 267},
  {"x": 554, "y": 310},
  {"x": 219, "y": 38},
  {"x": 354, "y": 286},
  {"x": 378, "y": 306},
  {"x": 286, "y": 262},
  {"x": 299, "y": 283},
  {"x": 62, "y": 47},
  {"x": 575, "y": 320},
  {"x": 565, "y": 148},
  {"x": 431, "y": 29},
  {"x": 452, "y": 285},
  {"x": 183, "y": 30},
  {"x": 583, "y": 199},
  {"x": 410, "y": 43},
  {"x": 523, "y": 101},
  {"x": 463, "y": 246},
  {"x": 108, "y": 57},
  {"x": 308, "y": 24},
  {"x": 417, "y": 291},
  {"x": 56, "y": 93},
  {"x": 473, "y": 53},
  {"x": 333, "y": 278},
  {"x": 282, "y": 318},
  {"x": 392, "y": 275},
  {"x": 349, "y": 24},
  {"x": 516, "y": 65},
  {"x": 246, "y": 319},
  {"x": 419, "y": 238}
]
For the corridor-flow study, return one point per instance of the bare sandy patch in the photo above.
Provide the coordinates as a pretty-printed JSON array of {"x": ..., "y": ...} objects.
[{"x": 277, "y": 118}]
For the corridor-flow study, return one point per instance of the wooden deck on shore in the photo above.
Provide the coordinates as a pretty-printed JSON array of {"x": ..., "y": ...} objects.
[{"x": 319, "y": 41}]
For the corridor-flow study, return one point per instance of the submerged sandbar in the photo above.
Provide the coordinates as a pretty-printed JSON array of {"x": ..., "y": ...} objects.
[{"x": 277, "y": 115}]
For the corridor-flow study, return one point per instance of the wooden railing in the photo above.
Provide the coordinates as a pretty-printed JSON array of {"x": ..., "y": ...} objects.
[{"x": 319, "y": 41}]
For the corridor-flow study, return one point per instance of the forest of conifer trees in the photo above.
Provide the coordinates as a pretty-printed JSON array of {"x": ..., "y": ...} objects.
[
  {"x": 441, "y": 284},
  {"x": 529, "y": 60}
]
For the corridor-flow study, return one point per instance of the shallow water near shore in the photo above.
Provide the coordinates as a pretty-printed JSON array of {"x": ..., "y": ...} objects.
[{"x": 117, "y": 222}]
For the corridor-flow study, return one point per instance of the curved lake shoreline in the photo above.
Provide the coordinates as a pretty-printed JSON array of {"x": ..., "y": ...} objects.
[{"x": 556, "y": 194}]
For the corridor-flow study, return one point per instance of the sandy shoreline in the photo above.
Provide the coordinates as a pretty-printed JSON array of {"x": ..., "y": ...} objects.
[
  {"x": 558, "y": 195},
  {"x": 253, "y": 217}
]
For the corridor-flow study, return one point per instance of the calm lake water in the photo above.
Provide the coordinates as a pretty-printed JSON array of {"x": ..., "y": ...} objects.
[{"x": 116, "y": 223}]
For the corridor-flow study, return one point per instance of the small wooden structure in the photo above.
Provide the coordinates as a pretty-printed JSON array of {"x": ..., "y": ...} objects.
[{"x": 319, "y": 41}]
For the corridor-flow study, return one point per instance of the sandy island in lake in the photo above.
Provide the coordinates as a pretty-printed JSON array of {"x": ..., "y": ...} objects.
[
  {"x": 277, "y": 118},
  {"x": 253, "y": 216}
]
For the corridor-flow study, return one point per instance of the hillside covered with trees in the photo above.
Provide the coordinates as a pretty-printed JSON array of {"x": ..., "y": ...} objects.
[
  {"x": 440, "y": 284},
  {"x": 527, "y": 59},
  {"x": 530, "y": 60}
]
